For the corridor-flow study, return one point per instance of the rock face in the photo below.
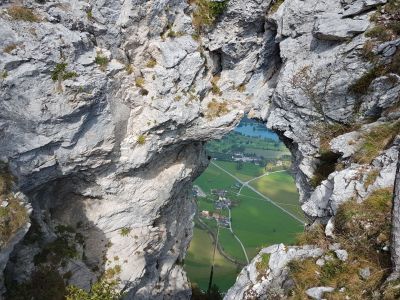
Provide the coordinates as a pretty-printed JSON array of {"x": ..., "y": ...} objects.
[
  {"x": 105, "y": 108},
  {"x": 17, "y": 237},
  {"x": 321, "y": 44},
  {"x": 318, "y": 292},
  {"x": 268, "y": 282},
  {"x": 103, "y": 115}
]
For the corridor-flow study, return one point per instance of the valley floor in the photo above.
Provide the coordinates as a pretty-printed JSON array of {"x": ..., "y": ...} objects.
[{"x": 264, "y": 210}]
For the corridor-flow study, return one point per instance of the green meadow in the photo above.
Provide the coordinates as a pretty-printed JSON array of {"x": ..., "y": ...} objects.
[
  {"x": 269, "y": 154},
  {"x": 214, "y": 178},
  {"x": 255, "y": 221},
  {"x": 198, "y": 263},
  {"x": 280, "y": 188},
  {"x": 259, "y": 223},
  {"x": 248, "y": 171}
]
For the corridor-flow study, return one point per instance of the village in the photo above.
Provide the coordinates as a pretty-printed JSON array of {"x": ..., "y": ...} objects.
[
  {"x": 269, "y": 165},
  {"x": 222, "y": 203},
  {"x": 242, "y": 157}
]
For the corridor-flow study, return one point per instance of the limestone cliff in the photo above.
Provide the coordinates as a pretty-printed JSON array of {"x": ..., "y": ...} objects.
[
  {"x": 103, "y": 117},
  {"x": 334, "y": 101},
  {"x": 105, "y": 107}
]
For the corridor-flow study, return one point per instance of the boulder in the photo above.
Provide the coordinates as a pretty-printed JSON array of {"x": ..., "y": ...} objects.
[
  {"x": 318, "y": 292},
  {"x": 365, "y": 273},
  {"x": 360, "y": 6},
  {"x": 342, "y": 254},
  {"x": 332, "y": 27}
]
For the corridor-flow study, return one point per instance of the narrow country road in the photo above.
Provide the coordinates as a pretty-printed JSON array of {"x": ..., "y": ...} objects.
[
  {"x": 265, "y": 174},
  {"x": 240, "y": 242},
  {"x": 220, "y": 250},
  {"x": 257, "y": 192}
]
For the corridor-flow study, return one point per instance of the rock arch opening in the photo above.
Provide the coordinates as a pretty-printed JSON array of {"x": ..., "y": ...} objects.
[{"x": 245, "y": 200}]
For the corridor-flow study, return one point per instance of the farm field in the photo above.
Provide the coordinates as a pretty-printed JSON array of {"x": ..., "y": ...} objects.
[
  {"x": 198, "y": 262},
  {"x": 247, "y": 172},
  {"x": 280, "y": 187},
  {"x": 255, "y": 221},
  {"x": 268, "y": 154},
  {"x": 231, "y": 245},
  {"x": 212, "y": 178},
  {"x": 259, "y": 223},
  {"x": 250, "y": 154}
]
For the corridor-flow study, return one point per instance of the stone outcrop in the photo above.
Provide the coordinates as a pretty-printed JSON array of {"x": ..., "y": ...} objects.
[
  {"x": 105, "y": 108},
  {"x": 16, "y": 237},
  {"x": 103, "y": 115},
  {"x": 321, "y": 50},
  {"x": 269, "y": 282}
]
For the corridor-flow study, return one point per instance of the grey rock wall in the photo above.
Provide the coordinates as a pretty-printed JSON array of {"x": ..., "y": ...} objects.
[{"x": 118, "y": 145}]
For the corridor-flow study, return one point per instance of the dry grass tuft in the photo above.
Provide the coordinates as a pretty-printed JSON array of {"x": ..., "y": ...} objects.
[
  {"x": 371, "y": 177},
  {"x": 387, "y": 22},
  {"x": 262, "y": 265},
  {"x": 151, "y": 63},
  {"x": 375, "y": 141},
  {"x": 313, "y": 236},
  {"x": 276, "y": 4},
  {"x": 9, "y": 48},
  {"x": 214, "y": 85},
  {"x": 141, "y": 139},
  {"x": 129, "y": 69},
  {"x": 23, "y": 14},
  {"x": 328, "y": 132},
  {"x": 365, "y": 227},
  {"x": 363, "y": 230},
  {"x": 241, "y": 88},
  {"x": 14, "y": 215},
  {"x": 139, "y": 82},
  {"x": 216, "y": 109}
]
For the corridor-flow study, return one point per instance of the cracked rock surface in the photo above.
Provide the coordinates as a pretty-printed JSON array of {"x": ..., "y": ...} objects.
[{"x": 105, "y": 107}]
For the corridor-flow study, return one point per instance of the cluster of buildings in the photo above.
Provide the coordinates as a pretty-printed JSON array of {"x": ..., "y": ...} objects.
[
  {"x": 221, "y": 220},
  {"x": 238, "y": 156},
  {"x": 219, "y": 193},
  {"x": 221, "y": 203}
]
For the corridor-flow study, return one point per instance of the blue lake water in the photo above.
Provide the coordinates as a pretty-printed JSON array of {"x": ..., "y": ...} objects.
[{"x": 256, "y": 129}]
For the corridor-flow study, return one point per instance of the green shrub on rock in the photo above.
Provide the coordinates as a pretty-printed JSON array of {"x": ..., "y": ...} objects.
[
  {"x": 124, "y": 231},
  {"x": 60, "y": 72},
  {"x": 45, "y": 283},
  {"x": 106, "y": 288},
  {"x": 206, "y": 12},
  {"x": 101, "y": 60}
]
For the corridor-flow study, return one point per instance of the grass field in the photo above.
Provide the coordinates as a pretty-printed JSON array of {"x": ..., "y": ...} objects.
[
  {"x": 268, "y": 154},
  {"x": 239, "y": 140},
  {"x": 280, "y": 188},
  {"x": 259, "y": 223},
  {"x": 231, "y": 245},
  {"x": 247, "y": 172},
  {"x": 255, "y": 221},
  {"x": 213, "y": 178},
  {"x": 198, "y": 263}
]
